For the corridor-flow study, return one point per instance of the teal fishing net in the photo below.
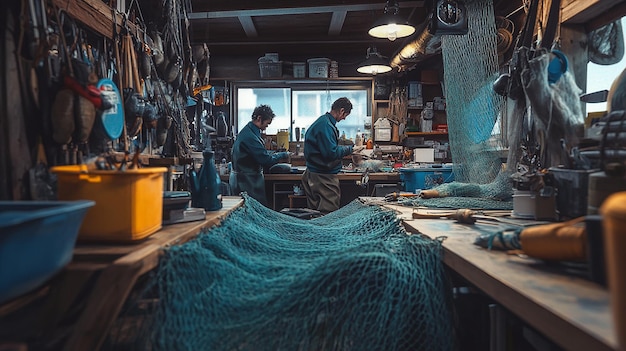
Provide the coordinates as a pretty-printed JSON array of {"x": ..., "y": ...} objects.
[
  {"x": 473, "y": 114},
  {"x": 261, "y": 280},
  {"x": 496, "y": 195},
  {"x": 472, "y": 107}
]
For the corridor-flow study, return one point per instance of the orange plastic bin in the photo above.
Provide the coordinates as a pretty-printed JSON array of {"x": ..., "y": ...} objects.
[{"x": 129, "y": 204}]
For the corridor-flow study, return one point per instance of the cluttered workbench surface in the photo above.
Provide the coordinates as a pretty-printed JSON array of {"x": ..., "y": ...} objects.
[
  {"x": 99, "y": 279},
  {"x": 571, "y": 310},
  {"x": 167, "y": 236}
]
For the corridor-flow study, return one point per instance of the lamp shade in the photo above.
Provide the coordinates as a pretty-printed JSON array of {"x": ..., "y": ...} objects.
[
  {"x": 391, "y": 27},
  {"x": 374, "y": 63}
]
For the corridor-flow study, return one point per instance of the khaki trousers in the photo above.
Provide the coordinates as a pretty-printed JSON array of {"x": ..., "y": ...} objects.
[{"x": 322, "y": 191}]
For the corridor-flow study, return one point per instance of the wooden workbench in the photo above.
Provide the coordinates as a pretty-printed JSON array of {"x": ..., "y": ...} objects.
[
  {"x": 100, "y": 278},
  {"x": 573, "y": 312},
  {"x": 279, "y": 186},
  {"x": 351, "y": 176}
]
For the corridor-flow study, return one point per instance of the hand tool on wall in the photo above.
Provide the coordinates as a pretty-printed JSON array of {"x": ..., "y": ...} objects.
[{"x": 119, "y": 73}]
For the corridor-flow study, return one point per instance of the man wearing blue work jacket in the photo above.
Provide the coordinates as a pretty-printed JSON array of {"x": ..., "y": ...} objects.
[
  {"x": 249, "y": 156},
  {"x": 323, "y": 155}
]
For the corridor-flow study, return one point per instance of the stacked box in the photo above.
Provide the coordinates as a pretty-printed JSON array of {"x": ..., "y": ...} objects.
[{"x": 318, "y": 67}]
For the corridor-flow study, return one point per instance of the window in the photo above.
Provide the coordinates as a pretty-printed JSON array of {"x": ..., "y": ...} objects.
[
  {"x": 300, "y": 104},
  {"x": 600, "y": 77}
]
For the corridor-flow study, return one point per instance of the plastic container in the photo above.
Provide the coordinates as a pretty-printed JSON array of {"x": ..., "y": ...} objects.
[
  {"x": 129, "y": 204},
  {"x": 299, "y": 70},
  {"x": 271, "y": 69},
  {"x": 318, "y": 67},
  {"x": 282, "y": 139},
  {"x": 382, "y": 130},
  {"x": 37, "y": 239},
  {"x": 415, "y": 179},
  {"x": 532, "y": 205},
  {"x": 572, "y": 191}
]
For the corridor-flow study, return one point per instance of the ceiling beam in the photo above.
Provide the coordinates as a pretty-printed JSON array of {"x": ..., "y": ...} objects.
[
  {"x": 297, "y": 10},
  {"x": 336, "y": 22},
  {"x": 579, "y": 12},
  {"x": 294, "y": 42},
  {"x": 248, "y": 26}
]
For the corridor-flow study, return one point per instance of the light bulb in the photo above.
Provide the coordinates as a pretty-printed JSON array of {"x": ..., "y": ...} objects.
[{"x": 392, "y": 31}]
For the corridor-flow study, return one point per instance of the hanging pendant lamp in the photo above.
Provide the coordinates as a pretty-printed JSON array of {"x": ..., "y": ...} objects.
[
  {"x": 390, "y": 25},
  {"x": 374, "y": 63}
]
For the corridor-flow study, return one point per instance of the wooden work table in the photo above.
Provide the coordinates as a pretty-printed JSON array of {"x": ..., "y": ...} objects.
[
  {"x": 343, "y": 176},
  {"x": 279, "y": 186},
  {"x": 101, "y": 276},
  {"x": 573, "y": 312}
]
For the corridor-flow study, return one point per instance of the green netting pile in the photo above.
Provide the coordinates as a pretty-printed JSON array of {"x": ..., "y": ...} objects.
[
  {"x": 262, "y": 280},
  {"x": 496, "y": 195},
  {"x": 473, "y": 110}
]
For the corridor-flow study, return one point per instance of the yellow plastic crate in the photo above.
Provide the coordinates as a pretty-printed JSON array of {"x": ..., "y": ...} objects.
[{"x": 129, "y": 204}]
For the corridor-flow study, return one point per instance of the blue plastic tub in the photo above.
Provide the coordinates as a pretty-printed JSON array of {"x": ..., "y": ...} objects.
[
  {"x": 37, "y": 240},
  {"x": 415, "y": 179}
]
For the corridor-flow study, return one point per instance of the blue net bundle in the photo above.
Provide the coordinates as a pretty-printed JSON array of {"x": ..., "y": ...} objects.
[
  {"x": 261, "y": 280},
  {"x": 496, "y": 195}
]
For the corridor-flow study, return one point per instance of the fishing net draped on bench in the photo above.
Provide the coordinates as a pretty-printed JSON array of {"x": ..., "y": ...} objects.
[{"x": 262, "y": 280}]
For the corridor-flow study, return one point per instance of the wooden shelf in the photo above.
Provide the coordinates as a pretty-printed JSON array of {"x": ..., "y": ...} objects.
[
  {"x": 425, "y": 133},
  {"x": 423, "y": 107},
  {"x": 430, "y": 83}
]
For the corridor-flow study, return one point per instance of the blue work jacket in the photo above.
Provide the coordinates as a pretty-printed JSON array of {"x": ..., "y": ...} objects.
[
  {"x": 322, "y": 151},
  {"x": 249, "y": 157}
]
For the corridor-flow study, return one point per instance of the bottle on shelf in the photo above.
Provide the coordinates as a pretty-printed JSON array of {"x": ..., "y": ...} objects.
[
  {"x": 358, "y": 141},
  {"x": 206, "y": 184},
  {"x": 223, "y": 167}
]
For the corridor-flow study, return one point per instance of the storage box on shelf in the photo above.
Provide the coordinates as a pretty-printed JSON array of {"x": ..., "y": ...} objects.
[
  {"x": 299, "y": 70},
  {"x": 318, "y": 67},
  {"x": 270, "y": 66},
  {"x": 129, "y": 204},
  {"x": 271, "y": 69}
]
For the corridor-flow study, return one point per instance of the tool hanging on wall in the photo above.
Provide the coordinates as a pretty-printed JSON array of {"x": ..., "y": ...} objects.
[
  {"x": 73, "y": 110},
  {"x": 118, "y": 69},
  {"x": 134, "y": 103}
]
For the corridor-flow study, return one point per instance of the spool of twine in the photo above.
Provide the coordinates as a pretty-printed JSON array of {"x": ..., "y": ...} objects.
[{"x": 613, "y": 213}]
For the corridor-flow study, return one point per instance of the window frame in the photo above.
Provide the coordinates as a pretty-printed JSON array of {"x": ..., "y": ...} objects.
[{"x": 302, "y": 85}]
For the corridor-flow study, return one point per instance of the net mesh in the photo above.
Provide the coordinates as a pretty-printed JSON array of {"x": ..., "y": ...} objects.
[
  {"x": 261, "y": 280},
  {"x": 473, "y": 111},
  {"x": 470, "y": 68}
]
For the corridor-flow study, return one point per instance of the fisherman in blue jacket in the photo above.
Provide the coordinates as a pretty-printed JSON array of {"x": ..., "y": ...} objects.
[
  {"x": 249, "y": 156},
  {"x": 323, "y": 155}
]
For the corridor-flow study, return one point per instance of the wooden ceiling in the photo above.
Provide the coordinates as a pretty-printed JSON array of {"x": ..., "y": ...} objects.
[
  {"x": 313, "y": 27},
  {"x": 294, "y": 28},
  {"x": 298, "y": 29}
]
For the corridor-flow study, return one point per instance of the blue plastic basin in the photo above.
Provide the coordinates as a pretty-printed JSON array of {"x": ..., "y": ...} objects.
[{"x": 37, "y": 239}]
